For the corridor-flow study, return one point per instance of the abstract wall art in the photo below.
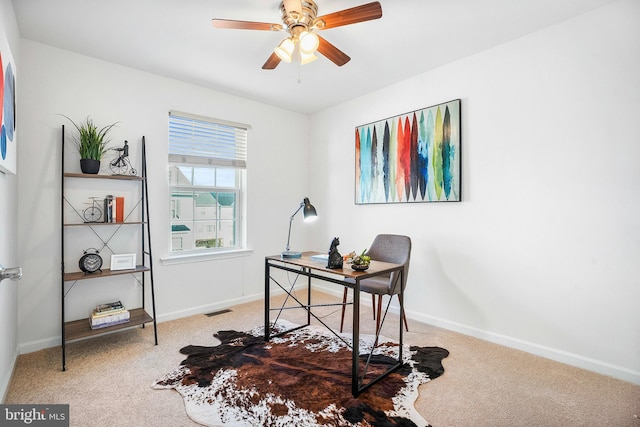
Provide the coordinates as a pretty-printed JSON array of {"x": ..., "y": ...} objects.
[
  {"x": 7, "y": 108},
  {"x": 413, "y": 157}
]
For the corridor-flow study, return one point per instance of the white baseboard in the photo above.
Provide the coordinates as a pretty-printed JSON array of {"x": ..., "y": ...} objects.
[
  {"x": 4, "y": 385},
  {"x": 561, "y": 356},
  {"x": 31, "y": 346},
  {"x": 209, "y": 308}
]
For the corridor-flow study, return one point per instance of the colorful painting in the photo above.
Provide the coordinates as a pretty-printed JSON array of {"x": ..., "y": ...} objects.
[
  {"x": 7, "y": 108},
  {"x": 414, "y": 157}
]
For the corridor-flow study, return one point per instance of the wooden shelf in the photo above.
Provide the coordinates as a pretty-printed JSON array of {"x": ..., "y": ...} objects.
[
  {"x": 85, "y": 224},
  {"x": 79, "y": 275},
  {"x": 98, "y": 176},
  {"x": 82, "y": 328}
]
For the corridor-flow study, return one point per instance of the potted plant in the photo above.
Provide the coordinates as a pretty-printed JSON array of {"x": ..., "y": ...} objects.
[
  {"x": 91, "y": 143},
  {"x": 361, "y": 262}
]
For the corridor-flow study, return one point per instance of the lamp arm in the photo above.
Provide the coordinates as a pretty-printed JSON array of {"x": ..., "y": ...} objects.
[{"x": 290, "y": 222}]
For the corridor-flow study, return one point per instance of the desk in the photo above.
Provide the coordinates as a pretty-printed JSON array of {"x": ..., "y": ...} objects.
[{"x": 306, "y": 266}]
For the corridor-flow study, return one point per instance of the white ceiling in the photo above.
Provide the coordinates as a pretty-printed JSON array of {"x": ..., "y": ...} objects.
[{"x": 175, "y": 38}]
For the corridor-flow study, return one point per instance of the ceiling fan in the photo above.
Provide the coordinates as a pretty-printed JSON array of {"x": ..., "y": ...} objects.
[{"x": 300, "y": 20}]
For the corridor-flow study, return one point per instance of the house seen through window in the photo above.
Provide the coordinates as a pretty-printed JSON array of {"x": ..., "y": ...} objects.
[{"x": 207, "y": 166}]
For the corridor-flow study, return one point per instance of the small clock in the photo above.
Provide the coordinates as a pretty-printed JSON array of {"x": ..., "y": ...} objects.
[{"x": 90, "y": 262}]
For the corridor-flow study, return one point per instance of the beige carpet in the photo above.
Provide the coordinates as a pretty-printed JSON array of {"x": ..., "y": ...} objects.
[{"x": 108, "y": 379}]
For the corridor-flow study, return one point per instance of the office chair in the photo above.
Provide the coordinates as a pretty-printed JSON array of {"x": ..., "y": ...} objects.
[{"x": 388, "y": 248}]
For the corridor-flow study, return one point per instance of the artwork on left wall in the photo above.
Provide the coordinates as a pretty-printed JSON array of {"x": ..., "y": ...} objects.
[{"x": 7, "y": 108}]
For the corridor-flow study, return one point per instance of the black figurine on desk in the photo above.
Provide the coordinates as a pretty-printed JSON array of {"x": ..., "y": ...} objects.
[{"x": 335, "y": 259}]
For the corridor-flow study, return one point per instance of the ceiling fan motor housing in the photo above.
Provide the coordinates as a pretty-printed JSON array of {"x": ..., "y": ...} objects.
[{"x": 297, "y": 22}]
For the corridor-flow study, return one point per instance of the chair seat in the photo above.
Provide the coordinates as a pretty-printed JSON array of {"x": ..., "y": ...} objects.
[{"x": 378, "y": 285}]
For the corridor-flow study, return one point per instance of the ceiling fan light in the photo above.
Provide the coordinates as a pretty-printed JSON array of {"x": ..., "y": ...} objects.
[
  {"x": 285, "y": 49},
  {"x": 309, "y": 42},
  {"x": 306, "y": 58}
]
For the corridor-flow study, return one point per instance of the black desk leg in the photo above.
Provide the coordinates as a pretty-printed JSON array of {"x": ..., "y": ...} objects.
[
  {"x": 400, "y": 337},
  {"x": 308, "y": 297},
  {"x": 355, "y": 376},
  {"x": 267, "y": 297}
]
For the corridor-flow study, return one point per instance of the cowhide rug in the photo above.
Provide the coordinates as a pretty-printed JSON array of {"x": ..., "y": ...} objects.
[{"x": 300, "y": 379}]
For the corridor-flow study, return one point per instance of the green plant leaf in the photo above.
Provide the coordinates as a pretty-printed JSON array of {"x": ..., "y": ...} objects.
[{"x": 90, "y": 141}]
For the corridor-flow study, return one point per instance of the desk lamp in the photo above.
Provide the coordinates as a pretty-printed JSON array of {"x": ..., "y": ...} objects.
[{"x": 309, "y": 214}]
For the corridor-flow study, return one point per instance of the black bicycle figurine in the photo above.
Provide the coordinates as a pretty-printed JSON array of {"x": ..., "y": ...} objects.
[
  {"x": 93, "y": 213},
  {"x": 121, "y": 165}
]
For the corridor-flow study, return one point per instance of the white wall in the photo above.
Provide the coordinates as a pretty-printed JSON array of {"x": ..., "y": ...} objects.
[
  {"x": 8, "y": 232},
  {"x": 543, "y": 252},
  {"x": 54, "y": 81}
]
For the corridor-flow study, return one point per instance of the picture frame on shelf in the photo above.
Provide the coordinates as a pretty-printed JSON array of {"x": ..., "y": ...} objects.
[{"x": 123, "y": 262}]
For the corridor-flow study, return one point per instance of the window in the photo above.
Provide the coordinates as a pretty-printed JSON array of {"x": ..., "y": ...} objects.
[{"x": 207, "y": 167}]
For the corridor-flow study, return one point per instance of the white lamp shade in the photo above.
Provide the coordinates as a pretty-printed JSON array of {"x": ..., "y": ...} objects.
[
  {"x": 309, "y": 42},
  {"x": 285, "y": 50},
  {"x": 305, "y": 58}
]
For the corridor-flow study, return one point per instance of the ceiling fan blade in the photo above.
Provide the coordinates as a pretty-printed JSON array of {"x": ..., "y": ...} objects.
[
  {"x": 272, "y": 62},
  {"x": 293, "y": 6},
  {"x": 245, "y": 25},
  {"x": 365, "y": 12},
  {"x": 332, "y": 53}
]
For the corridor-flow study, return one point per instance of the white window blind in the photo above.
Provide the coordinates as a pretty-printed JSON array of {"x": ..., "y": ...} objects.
[{"x": 201, "y": 140}]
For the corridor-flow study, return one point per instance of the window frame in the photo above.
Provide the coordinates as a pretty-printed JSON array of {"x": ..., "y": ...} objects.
[{"x": 196, "y": 160}]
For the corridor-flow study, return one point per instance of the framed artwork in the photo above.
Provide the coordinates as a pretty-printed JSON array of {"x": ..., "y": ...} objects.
[
  {"x": 123, "y": 261},
  {"x": 7, "y": 108},
  {"x": 413, "y": 157}
]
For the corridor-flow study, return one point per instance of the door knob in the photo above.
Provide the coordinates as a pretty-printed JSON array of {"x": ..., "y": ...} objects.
[{"x": 14, "y": 273}]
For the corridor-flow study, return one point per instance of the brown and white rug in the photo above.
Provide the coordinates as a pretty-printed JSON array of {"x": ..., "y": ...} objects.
[{"x": 300, "y": 379}]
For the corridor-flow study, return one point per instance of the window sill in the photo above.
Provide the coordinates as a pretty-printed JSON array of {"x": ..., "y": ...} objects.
[{"x": 201, "y": 257}]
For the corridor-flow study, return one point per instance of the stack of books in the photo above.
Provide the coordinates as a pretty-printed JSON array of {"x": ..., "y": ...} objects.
[
  {"x": 109, "y": 314},
  {"x": 113, "y": 209}
]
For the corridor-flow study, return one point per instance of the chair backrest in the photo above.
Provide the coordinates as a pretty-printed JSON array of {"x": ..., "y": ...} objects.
[{"x": 396, "y": 249}]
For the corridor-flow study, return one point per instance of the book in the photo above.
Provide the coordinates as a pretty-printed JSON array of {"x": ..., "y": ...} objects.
[
  {"x": 320, "y": 257},
  {"x": 107, "y": 324},
  {"x": 119, "y": 209},
  {"x": 107, "y": 313},
  {"x": 97, "y": 313},
  {"x": 97, "y": 320},
  {"x": 108, "y": 208},
  {"x": 109, "y": 320},
  {"x": 110, "y": 306}
]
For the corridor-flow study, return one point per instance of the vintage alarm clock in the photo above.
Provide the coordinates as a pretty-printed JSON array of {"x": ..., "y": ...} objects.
[{"x": 90, "y": 262}]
